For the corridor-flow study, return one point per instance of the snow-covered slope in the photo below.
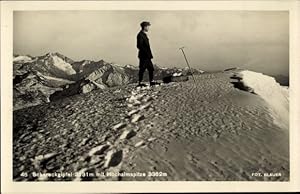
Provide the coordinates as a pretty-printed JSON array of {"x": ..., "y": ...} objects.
[
  {"x": 63, "y": 66},
  {"x": 22, "y": 59},
  {"x": 275, "y": 95}
]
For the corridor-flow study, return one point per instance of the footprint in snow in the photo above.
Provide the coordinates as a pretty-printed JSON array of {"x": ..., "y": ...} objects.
[{"x": 137, "y": 117}]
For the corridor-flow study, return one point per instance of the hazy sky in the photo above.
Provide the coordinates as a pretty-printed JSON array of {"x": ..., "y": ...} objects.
[{"x": 214, "y": 40}]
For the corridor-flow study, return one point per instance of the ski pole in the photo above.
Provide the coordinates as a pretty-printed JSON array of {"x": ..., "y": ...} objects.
[{"x": 187, "y": 63}]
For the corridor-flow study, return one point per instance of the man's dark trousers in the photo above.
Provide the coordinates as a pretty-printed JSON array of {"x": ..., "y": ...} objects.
[{"x": 146, "y": 64}]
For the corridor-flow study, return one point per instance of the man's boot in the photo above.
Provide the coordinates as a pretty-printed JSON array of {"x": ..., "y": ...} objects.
[
  {"x": 152, "y": 83},
  {"x": 141, "y": 85}
]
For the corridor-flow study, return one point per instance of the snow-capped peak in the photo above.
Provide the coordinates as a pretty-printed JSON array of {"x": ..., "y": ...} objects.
[
  {"x": 85, "y": 62},
  {"x": 56, "y": 54},
  {"x": 131, "y": 66},
  {"x": 62, "y": 65},
  {"x": 22, "y": 59}
]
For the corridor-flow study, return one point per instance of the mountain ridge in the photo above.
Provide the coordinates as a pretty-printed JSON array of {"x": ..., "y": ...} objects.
[{"x": 40, "y": 79}]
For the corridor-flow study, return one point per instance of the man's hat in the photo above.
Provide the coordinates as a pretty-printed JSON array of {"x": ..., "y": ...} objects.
[{"x": 144, "y": 24}]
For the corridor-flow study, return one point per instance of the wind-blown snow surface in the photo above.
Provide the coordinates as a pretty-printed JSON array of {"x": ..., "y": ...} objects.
[
  {"x": 206, "y": 130},
  {"x": 275, "y": 95}
]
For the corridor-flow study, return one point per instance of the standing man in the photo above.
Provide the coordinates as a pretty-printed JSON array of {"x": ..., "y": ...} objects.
[{"x": 145, "y": 54}]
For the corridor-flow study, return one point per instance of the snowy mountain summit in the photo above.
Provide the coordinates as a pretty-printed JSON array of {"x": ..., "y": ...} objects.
[{"x": 220, "y": 126}]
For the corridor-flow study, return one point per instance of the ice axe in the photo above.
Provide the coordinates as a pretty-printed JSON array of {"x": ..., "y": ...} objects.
[{"x": 187, "y": 63}]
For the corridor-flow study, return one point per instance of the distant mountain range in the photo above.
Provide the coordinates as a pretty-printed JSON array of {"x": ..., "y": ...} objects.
[
  {"x": 41, "y": 79},
  {"x": 282, "y": 80}
]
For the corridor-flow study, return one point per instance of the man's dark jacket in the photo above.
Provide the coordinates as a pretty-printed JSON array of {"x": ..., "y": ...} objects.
[{"x": 143, "y": 46}]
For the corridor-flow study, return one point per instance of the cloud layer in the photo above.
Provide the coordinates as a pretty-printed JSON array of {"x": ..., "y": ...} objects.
[{"x": 214, "y": 40}]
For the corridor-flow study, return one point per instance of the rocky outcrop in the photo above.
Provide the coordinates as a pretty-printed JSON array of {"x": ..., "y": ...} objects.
[
  {"x": 106, "y": 75},
  {"x": 118, "y": 76},
  {"x": 79, "y": 87},
  {"x": 85, "y": 67},
  {"x": 30, "y": 90}
]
